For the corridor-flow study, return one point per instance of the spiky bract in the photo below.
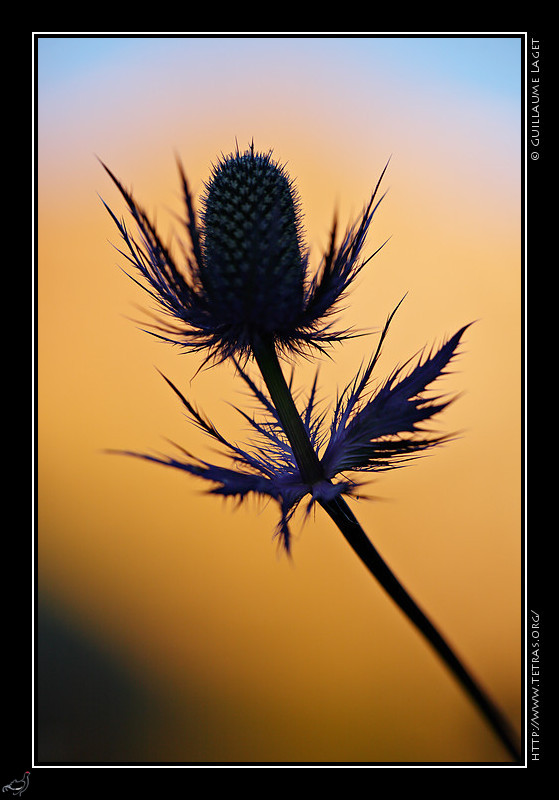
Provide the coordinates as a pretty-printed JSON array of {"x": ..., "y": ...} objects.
[{"x": 369, "y": 432}]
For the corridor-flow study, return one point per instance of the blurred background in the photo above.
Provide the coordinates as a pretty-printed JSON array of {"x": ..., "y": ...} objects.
[{"x": 170, "y": 627}]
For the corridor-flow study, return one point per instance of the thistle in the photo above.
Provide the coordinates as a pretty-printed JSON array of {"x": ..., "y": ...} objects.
[
  {"x": 245, "y": 279},
  {"x": 245, "y": 291}
]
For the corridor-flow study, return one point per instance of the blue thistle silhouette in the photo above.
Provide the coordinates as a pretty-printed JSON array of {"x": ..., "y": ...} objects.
[
  {"x": 245, "y": 291},
  {"x": 245, "y": 278}
]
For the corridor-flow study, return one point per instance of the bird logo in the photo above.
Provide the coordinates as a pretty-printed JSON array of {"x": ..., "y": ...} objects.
[{"x": 17, "y": 787}]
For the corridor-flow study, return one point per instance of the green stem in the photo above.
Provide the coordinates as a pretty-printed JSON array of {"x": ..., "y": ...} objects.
[{"x": 343, "y": 517}]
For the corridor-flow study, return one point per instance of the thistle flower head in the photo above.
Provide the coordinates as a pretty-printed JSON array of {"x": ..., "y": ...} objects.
[
  {"x": 244, "y": 276},
  {"x": 253, "y": 268}
]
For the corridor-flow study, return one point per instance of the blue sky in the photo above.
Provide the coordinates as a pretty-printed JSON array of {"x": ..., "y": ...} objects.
[{"x": 491, "y": 64}]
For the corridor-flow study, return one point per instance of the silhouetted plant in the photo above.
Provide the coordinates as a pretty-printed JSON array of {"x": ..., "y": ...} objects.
[{"x": 245, "y": 291}]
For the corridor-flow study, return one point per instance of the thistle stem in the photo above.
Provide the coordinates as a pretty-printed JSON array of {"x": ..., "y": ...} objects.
[
  {"x": 343, "y": 517},
  {"x": 305, "y": 456}
]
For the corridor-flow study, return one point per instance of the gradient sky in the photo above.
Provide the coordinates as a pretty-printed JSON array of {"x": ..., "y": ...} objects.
[{"x": 241, "y": 654}]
